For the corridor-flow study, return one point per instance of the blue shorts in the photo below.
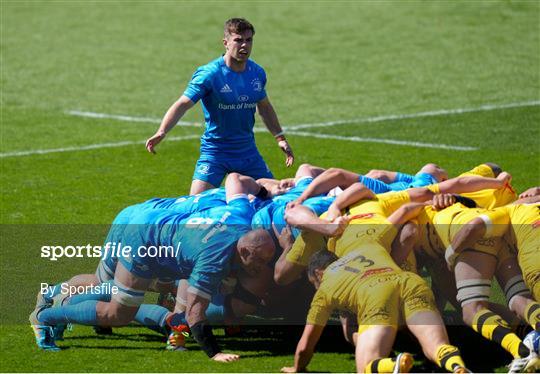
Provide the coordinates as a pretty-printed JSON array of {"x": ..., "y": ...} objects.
[{"x": 213, "y": 170}]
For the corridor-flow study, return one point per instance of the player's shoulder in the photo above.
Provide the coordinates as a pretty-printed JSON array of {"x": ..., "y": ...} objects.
[
  {"x": 212, "y": 67},
  {"x": 254, "y": 67}
]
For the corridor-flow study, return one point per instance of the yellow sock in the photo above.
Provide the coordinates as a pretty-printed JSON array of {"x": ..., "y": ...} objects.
[
  {"x": 381, "y": 365},
  {"x": 532, "y": 315},
  {"x": 491, "y": 326},
  {"x": 449, "y": 358}
]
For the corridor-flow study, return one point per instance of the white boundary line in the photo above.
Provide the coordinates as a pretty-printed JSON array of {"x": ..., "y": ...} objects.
[
  {"x": 127, "y": 118},
  {"x": 89, "y": 147},
  {"x": 384, "y": 141},
  {"x": 433, "y": 113},
  {"x": 486, "y": 107}
]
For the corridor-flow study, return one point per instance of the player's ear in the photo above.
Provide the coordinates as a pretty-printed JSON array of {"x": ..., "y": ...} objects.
[
  {"x": 319, "y": 273},
  {"x": 244, "y": 254}
]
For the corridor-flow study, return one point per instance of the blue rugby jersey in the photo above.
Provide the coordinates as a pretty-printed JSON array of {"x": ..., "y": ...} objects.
[{"x": 229, "y": 102}]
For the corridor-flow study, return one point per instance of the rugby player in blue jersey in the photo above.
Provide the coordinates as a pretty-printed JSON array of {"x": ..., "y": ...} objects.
[
  {"x": 378, "y": 181},
  {"x": 230, "y": 87},
  {"x": 208, "y": 250}
]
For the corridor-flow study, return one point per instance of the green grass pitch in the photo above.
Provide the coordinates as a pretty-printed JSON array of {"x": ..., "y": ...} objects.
[{"x": 325, "y": 61}]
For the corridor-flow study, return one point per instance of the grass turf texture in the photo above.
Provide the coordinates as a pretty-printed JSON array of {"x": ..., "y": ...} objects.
[{"x": 325, "y": 61}]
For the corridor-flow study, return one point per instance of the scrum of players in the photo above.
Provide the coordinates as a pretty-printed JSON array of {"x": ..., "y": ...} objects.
[{"x": 360, "y": 239}]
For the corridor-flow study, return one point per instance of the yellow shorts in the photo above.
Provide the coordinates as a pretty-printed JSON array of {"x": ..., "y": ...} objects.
[
  {"x": 529, "y": 262},
  {"x": 450, "y": 221},
  {"x": 387, "y": 299},
  {"x": 410, "y": 263}
]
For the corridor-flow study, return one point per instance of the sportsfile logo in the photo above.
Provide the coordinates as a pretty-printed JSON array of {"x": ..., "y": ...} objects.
[
  {"x": 109, "y": 250},
  {"x": 65, "y": 289}
]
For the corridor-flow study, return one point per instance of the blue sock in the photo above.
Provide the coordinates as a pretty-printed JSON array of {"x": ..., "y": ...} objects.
[
  {"x": 152, "y": 316},
  {"x": 215, "y": 313},
  {"x": 374, "y": 185},
  {"x": 77, "y": 299},
  {"x": 82, "y": 314}
]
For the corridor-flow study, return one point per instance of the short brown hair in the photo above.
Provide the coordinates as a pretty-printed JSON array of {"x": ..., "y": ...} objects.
[{"x": 237, "y": 26}]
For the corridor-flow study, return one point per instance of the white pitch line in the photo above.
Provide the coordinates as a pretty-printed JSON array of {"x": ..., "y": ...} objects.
[
  {"x": 121, "y": 117},
  {"x": 89, "y": 147},
  {"x": 384, "y": 141},
  {"x": 433, "y": 113},
  {"x": 486, "y": 107}
]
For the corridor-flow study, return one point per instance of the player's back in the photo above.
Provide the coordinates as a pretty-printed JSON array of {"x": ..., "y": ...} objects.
[
  {"x": 525, "y": 221},
  {"x": 490, "y": 198},
  {"x": 369, "y": 223},
  {"x": 345, "y": 279}
]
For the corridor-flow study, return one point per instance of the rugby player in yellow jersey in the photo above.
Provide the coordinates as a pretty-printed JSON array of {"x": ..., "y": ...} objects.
[
  {"x": 366, "y": 209},
  {"x": 520, "y": 224},
  {"x": 369, "y": 284},
  {"x": 480, "y": 258},
  {"x": 490, "y": 198}
]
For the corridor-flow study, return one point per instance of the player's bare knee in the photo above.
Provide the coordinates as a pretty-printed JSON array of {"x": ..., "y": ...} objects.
[
  {"x": 304, "y": 170},
  {"x": 233, "y": 178}
]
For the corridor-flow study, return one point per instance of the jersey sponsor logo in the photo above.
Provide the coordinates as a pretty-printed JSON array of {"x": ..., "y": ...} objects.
[
  {"x": 362, "y": 216},
  {"x": 257, "y": 85},
  {"x": 371, "y": 272},
  {"x": 243, "y": 98},
  {"x": 238, "y": 106},
  {"x": 219, "y": 227},
  {"x": 225, "y": 89}
]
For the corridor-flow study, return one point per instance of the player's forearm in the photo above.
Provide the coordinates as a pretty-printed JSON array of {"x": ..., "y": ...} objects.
[
  {"x": 301, "y": 360},
  {"x": 270, "y": 118},
  {"x": 326, "y": 181},
  {"x": 405, "y": 213},
  {"x": 174, "y": 113},
  {"x": 286, "y": 272},
  {"x": 303, "y": 217},
  {"x": 352, "y": 194},
  {"x": 306, "y": 346},
  {"x": 470, "y": 184}
]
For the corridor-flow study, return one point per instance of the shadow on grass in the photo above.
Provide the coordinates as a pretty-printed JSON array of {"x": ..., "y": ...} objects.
[{"x": 479, "y": 354}]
